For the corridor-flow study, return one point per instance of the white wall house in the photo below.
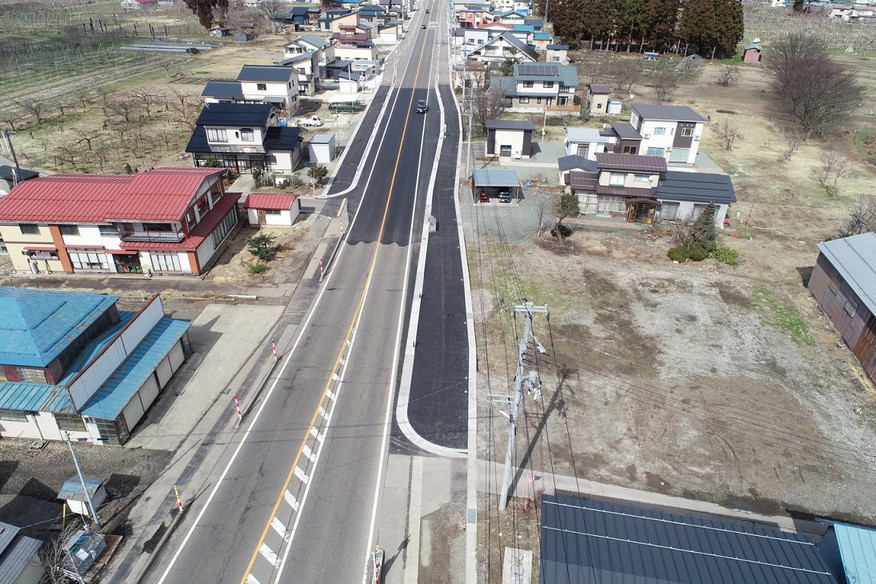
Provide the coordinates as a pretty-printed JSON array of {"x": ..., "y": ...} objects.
[
  {"x": 586, "y": 142},
  {"x": 672, "y": 132},
  {"x": 270, "y": 84}
]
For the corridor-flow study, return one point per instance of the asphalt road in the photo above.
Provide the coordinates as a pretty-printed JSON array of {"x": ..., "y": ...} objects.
[{"x": 293, "y": 498}]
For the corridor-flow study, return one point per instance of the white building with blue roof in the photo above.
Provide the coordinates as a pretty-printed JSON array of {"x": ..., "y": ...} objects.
[{"x": 71, "y": 361}]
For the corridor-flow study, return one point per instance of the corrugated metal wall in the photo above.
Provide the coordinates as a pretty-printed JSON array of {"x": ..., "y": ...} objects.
[{"x": 852, "y": 319}]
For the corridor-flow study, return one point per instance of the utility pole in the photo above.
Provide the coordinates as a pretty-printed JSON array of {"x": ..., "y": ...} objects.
[
  {"x": 82, "y": 480},
  {"x": 522, "y": 377},
  {"x": 7, "y": 134}
]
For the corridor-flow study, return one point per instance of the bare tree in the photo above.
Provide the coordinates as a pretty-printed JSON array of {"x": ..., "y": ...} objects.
[
  {"x": 727, "y": 132},
  {"x": 625, "y": 73},
  {"x": 728, "y": 76},
  {"x": 55, "y": 557},
  {"x": 834, "y": 166},
  {"x": 815, "y": 92},
  {"x": 122, "y": 107},
  {"x": 862, "y": 219},
  {"x": 793, "y": 138},
  {"x": 147, "y": 100},
  {"x": 487, "y": 104},
  {"x": 540, "y": 210},
  {"x": 87, "y": 136},
  {"x": 34, "y": 107},
  {"x": 664, "y": 82}
]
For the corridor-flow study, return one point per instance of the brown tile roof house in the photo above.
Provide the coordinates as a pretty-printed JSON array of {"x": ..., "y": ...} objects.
[{"x": 631, "y": 162}]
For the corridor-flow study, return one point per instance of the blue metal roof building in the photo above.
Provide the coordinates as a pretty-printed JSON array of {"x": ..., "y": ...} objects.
[
  {"x": 589, "y": 542},
  {"x": 37, "y": 325},
  {"x": 850, "y": 551}
]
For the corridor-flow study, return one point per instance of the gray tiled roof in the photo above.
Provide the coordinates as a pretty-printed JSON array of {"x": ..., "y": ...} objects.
[
  {"x": 265, "y": 73},
  {"x": 222, "y": 90},
  {"x": 575, "y": 161},
  {"x": 587, "y": 541},
  {"x": 625, "y": 131},
  {"x": 630, "y": 162},
  {"x": 677, "y": 113},
  {"x": 509, "y": 125},
  {"x": 696, "y": 187},
  {"x": 855, "y": 259}
]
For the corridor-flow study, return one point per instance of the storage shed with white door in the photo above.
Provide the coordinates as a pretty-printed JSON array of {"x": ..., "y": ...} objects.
[
  {"x": 272, "y": 208},
  {"x": 322, "y": 148}
]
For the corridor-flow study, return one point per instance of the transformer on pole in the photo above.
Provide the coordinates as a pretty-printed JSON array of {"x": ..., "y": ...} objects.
[{"x": 525, "y": 375}]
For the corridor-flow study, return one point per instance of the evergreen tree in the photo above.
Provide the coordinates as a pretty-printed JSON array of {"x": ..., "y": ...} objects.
[
  {"x": 566, "y": 16},
  {"x": 711, "y": 26},
  {"x": 204, "y": 10},
  {"x": 660, "y": 21}
]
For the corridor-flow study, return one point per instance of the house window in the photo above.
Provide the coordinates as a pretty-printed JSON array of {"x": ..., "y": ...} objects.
[
  {"x": 679, "y": 155},
  {"x": 537, "y": 100},
  {"x": 31, "y": 375},
  {"x": 272, "y": 211},
  {"x": 697, "y": 211},
  {"x": 69, "y": 422},
  {"x": 630, "y": 149},
  {"x": 659, "y": 131},
  {"x": 548, "y": 101},
  {"x": 247, "y": 135},
  {"x": 261, "y": 86},
  {"x": 669, "y": 211},
  {"x": 504, "y": 150},
  {"x": 228, "y": 222},
  {"x": 108, "y": 230},
  {"x": 616, "y": 179},
  {"x": 527, "y": 84},
  {"x": 583, "y": 150},
  {"x": 687, "y": 132},
  {"x": 216, "y": 135},
  {"x": 653, "y": 151},
  {"x": 29, "y": 228},
  {"x": 88, "y": 259},
  {"x": 608, "y": 204},
  {"x": 12, "y": 416},
  {"x": 165, "y": 262},
  {"x": 642, "y": 178},
  {"x": 523, "y": 100},
  {"x": 562, "y": 100},
  {"x": 547, "y": 84},
  {"x": 851, "y": 308},
  {"x": 69, "y": 229}
]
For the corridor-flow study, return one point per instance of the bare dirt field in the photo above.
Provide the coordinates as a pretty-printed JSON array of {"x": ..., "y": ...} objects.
[{"x": 700, "y": 380}]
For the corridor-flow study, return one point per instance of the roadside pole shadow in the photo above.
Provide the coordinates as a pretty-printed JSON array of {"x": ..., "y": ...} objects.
[
  {"x": 387, "y": 564},
  {"x": 556, "y": 404}
]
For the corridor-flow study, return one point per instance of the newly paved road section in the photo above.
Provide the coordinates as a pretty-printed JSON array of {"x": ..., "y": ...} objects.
[{"x": 295, "y": 501}]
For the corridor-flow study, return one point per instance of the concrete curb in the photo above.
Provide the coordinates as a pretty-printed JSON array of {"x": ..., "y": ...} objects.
[{"x": 162, "y": 542}]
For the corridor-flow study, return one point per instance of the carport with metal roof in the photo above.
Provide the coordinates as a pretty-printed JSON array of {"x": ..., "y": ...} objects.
[{"x": 492, "y": 182}]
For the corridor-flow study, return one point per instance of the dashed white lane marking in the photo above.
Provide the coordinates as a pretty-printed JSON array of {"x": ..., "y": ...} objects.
[
  {"x": 293, "y": 502},
  {"x": 306, "y": 451},
  {"x": 278, "y": 526},
  {"x": 269, "y": 555},
  {"x": 317, "y": 435},
  {"x": 301, "y": 476},
  {"x": 250, "y": 579}
]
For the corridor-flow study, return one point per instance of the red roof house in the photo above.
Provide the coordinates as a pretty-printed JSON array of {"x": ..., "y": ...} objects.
[
  {"x": 272, "y": 208},
  {"x": 161, "y": 221}
]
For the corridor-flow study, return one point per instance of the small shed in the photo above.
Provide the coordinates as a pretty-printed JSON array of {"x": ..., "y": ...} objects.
[
  {"x": 597, "y": 98},
  {"x": 272, "y": 208},
  {"x": 843, "y": 283},
  {"x": 751, "y": 53},
  {"x": 244, "y": 35},
  {"x": 322, "y": 148},
  {"x": 492, "y": 183},
  {"x": 19, "y": 563},
  {"x": 509, "y": 138},
  {"x": 615, "y": 105},
  {"x": 73, "y": 493}
]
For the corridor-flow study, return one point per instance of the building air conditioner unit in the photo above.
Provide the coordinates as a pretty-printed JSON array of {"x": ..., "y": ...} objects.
[
  {"x": 646, "y": 136},
  {"x": 696, "y": 138}
]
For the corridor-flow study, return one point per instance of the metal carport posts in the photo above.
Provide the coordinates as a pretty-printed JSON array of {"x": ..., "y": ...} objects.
[{"x": 493, "y": 182}]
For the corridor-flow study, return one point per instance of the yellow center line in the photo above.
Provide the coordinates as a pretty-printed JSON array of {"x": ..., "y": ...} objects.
[{"x": 347, "y": 337}]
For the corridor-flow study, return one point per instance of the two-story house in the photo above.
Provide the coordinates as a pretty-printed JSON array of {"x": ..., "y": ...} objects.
[
  {"x": 586, "y": 142},
  {"x": 503, "y": 46},
  {"x": 307, "y": 67},
  {"x": 172, "y": 220},
  {"x": 333, "y": 20},
  {"x": 473, "y": 16},
  {"x": 518, "y": 6},
  {"x": 270, "y": 84},
  {"x": 356, "y": 46},
  {"x": 74, "y": 363},
  {"x": 546, "y": 88},
  {"x": 670, "y": 131},
  {"x": 641, "y": 188},
  {"x": 244, "y": 136}
]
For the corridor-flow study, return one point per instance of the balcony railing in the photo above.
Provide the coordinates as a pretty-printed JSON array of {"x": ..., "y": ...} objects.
[{"x": 152, "y": 236}]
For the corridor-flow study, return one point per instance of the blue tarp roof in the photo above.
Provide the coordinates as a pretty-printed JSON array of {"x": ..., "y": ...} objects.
[
  {"x": 37, "y": 325},
  {"x": 857, "y": 549},
  {"x": 72, "y": 489},
  {"x": 586, "y": 541}
]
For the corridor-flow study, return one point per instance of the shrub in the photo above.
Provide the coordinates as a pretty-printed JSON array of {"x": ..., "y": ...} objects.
[
  {"x": 256, "y": 269},
  {"x": 697, "y": 252},
  {"x": 725, "y": 255},
  {"x": 261, "y": 247},
  {"x": 565, "y": 231},
  {"x": 678, "y": 254}
]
